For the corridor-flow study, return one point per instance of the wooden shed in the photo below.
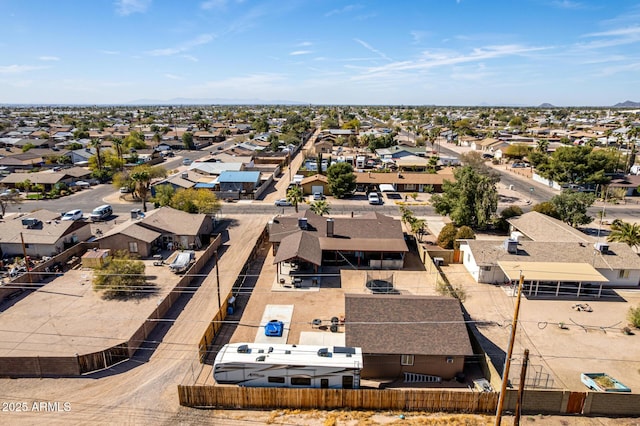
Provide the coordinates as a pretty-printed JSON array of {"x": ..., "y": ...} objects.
[{"x": 95, "y": 258}]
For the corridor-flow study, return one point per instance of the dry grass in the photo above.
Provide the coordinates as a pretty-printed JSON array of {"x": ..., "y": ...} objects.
[{"x": 374, "y": 418}]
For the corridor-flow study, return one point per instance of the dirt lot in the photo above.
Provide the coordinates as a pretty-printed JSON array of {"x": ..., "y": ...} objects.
[
  {"x": 66, "y": 316},
  {"x": 590, "y": 342}
]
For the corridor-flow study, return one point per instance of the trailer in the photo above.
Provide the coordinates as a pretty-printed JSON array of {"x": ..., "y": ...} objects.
[
  {"x": 602, "y": 382},
  {"x": 288, "y": 366}
]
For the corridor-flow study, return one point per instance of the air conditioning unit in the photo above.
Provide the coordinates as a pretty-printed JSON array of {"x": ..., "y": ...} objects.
[
  {"x": 511, "y": 246},
  {"x": 602, "y": 247}
]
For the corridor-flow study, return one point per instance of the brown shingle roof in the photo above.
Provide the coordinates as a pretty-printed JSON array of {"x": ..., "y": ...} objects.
[
  {"x": 174, "y": 221},
  {"x": 412, "y": 325},
  {"x": 411, "y": 178},
  {"x": 368, "y": 233},
  {"x": 540, "y": 227},
  {"x": 301, "y": 245}
]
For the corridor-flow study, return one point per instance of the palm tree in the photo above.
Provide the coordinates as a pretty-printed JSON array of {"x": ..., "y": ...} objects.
[
  {"x": 118, "y": 145},
  {"x": 142, "y": 176},
  {"x": 320, "y": 207},
  {"x": 97, "y": 145},
  {"x": 543, "y": 145},
  {"x": 624, "y": 232},
  {"x": 294, "y": 196}
]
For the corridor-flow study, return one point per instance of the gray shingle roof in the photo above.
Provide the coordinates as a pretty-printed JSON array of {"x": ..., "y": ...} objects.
[{"x": 412, "y": 325}]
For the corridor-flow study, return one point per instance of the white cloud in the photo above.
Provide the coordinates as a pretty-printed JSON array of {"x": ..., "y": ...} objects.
[
  {"x": 190, "y": 58},
  {"x": 372, "y": 49},
  {"x": 186, "y": 46},
  {"x": 628, "y": 31},
  {"x": 345, "y": 9},
  {"x": 110, "y": 52},
  {"x": 127, "y": 7},
  {"x": 300, "y": 52},
  {"x": 567, "y": 4},
  {"x": 436, "y": 59},
  {"x": 49, "y": 58},
  {"x": 19, "y": 69},
  {"x": 304, "y": 44},
  {"x": 173, "y": 76},
  {"x": 418, "y": 36}
]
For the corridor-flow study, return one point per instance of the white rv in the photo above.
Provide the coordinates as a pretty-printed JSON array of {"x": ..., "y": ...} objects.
[{"x": 288, "y": 366}]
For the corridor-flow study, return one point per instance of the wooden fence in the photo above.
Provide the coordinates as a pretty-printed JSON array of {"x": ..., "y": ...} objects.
[
  {"x": 462, "y": 401},
  {"x": 327, "y": 399},
  {"x": 214, "y": 326},
  {"x": 86, "y": 363}
]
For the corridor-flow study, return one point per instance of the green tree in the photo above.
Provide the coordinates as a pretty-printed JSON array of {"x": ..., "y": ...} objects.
[
  {"x": 163, "y": 195},
  {"x": 571, "y": 207},
  {"x": 464, "y": 233},
  {"x": 341, "y": 180},
  {"x": 121, "y": 277},
  {"x": 261, "y": 125},
  {"x": 118, "y": 146},
  {"x": 28, "y": 147},
  {"x": 187, "y": 141},
  {"x": 96, "y": 144},
  {"x": 142, "y": 176},
  {"x": 517, "y": 150},
  {"x": 624, "y": 232},
  {"x": 320, "y": 207},
  {"x": 295, "y": 196},
  {"x": 447, "y": 236},
  {"x": 547, "y": 208},
  {"x": 470, "y": 200}
]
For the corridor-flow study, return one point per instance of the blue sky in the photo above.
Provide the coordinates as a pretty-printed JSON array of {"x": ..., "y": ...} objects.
[{"x": 443, "y": 52}]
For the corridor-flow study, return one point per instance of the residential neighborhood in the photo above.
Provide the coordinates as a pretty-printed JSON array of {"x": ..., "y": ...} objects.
[{"x": 246, "y": 229}]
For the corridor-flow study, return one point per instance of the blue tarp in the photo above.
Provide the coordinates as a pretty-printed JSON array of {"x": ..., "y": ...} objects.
[{"x": 274, "y": 328}]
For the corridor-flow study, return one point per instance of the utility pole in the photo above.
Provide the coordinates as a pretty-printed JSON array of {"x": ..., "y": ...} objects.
[
  {"x": 26, "y": 259},
  {"x": 215, "y": 253},
  {"x": 507, "y": 364},
  {"x": 523, "y": 378}
]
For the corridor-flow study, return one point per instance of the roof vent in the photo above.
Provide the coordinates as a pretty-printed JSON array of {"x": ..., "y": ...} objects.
[
  {"x": 185, "y": 175},
  {"x": 602, "y": 247},
  {"x": 511, "y": 246},
  {"x": 243, "y": 349},
  {"x": 324, "y": 352},
  {"x": 302, "y": 223}
]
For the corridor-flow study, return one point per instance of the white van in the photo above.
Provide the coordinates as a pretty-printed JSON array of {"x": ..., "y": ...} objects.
[{"x": 101, "y": 213}]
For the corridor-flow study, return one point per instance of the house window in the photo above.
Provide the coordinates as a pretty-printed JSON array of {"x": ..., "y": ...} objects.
[
  {"x": 624, "y": 273},
  {"x": 409, "y": 186},
  {"x": 406, "y": 360},
  {"x": 275, "y": 379},
  {"x": 133, "y": 247},
  {"x": 300, "y": 381}
]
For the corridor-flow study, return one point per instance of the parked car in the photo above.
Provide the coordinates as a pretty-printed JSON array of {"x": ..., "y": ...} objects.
[
  {"x": 187, "y": 162},
  {"x": 125, "y": 190},
  {"x": 182, "y": 261},
  {"x": 82, "y": 184},
  {"x": 72, "y": 215},
  {"x": 374, "y": 199},
  {"x": 317, "y": 196},
  {"x": 282, "y": 202},
  {"x": 101, "y": 212}
]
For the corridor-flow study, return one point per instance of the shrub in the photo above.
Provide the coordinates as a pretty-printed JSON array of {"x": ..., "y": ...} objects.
[
  {"x": 447, "y": 236},
  {"x": 634, "y": 316}
]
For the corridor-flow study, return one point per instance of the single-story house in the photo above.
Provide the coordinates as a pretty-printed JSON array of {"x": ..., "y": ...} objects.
[
  {"x": 323, "y": 146},
  {"x": 22, "y": 161},
  {"x": 555, "y": 259},
  {"x": 404, "y": 181},
  {"x": 161, "y": 228},
  {"x": 243, "y": 181},
  {"x": 372, "y": 240},
  {"x": 420, "y": 338},
  {"x": 47, "y": 235},
  {"x": 315, "y": 183}
]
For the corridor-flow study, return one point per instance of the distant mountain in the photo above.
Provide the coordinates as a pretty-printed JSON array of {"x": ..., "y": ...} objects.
[
  {"x": 215, "y": 101},
  {"x": 545, "y": 105},
  {"x": 627, "y": 104}
]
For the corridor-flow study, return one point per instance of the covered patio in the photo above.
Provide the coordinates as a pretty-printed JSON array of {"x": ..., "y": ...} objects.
[
  {"x": 298, "y": 260},
  {"x": 555, "y": 279}
]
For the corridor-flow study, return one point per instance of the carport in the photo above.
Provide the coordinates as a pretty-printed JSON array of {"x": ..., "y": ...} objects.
[{"x": 555, "y": 278}]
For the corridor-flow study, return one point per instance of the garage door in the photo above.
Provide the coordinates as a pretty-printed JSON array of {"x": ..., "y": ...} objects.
[{"x": 315, "y": 189}]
